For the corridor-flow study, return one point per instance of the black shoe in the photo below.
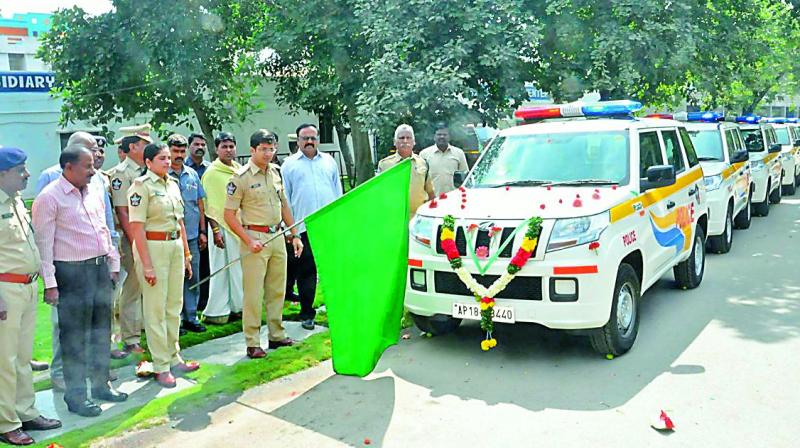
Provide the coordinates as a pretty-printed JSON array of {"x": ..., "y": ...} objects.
[
  {"x": 286, "y": 342},
  {"x": 194, "y": 327},
  {"x": 37, "y": 366},
  {"x": 85, "y": 409},
  {"x": 109, "y": 395},
  {"x": 235, "y": 316},
  {"x": 308, "y": 324}
]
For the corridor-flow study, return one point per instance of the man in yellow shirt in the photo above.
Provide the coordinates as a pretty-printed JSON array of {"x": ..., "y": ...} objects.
[{"x": 420, "y": 189}]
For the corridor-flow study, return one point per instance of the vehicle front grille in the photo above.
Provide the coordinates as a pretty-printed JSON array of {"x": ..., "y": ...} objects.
[
  {"x": 521, "y": 288},
  {"x": 481, "y": 239}
]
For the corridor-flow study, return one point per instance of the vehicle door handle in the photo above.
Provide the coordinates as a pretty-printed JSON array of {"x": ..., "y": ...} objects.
[
  {"x": 670, "y": 204},
  {"x": 693, "y": 191}
]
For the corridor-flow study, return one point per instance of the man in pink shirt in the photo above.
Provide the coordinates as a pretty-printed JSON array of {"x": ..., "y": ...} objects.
[{"x": 79, "y": 266}]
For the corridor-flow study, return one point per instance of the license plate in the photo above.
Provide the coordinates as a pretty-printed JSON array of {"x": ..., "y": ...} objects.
[{"x": 472, "y": 311}]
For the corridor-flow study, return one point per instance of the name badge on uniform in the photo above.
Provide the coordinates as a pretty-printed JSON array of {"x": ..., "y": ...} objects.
[
  {"x": 231, "y": 188},
  {"x": 255, "y": 185},
  {"x": 135, "y": 200},
  {"x": 7, "y": 215},
  {"x": 159, "y": 193},
  {"x": 116, "y": 184}
]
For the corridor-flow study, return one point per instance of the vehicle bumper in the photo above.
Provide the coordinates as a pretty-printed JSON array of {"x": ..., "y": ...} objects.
[
  {"x": 593, "y": 276},
  {"x": 718, "y": 201}
]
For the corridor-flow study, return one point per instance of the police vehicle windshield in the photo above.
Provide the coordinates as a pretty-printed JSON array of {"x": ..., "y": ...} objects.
[
  {"x": 783, "y": 136},
  {"x": 708, "y": 144},
  {"x": 575, "y": 158},
  {"x": 753, "y": 139}
]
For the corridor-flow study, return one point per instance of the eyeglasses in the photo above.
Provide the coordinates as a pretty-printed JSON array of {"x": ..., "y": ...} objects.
[{"x": 310, "y": 139}]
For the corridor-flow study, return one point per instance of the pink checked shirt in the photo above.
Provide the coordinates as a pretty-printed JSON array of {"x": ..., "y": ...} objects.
[{"x": 70, "y": 225}]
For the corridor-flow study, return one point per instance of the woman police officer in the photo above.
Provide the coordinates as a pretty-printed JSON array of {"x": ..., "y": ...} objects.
[{"x": 161, "y": 257}]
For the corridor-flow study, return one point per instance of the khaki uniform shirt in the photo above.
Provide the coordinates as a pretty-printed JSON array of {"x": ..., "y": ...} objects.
[
  {"x": 442, "y": 165},
  {"x": 258, "y": 194},
  {"x": 122, "y": 177},
  {"x": 18, "y": 251},
  {"x": 156, "y": 202},
  {"x": 420, "y": 185}
]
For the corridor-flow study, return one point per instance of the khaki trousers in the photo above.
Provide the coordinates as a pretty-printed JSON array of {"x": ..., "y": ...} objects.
[
  {"x": 264, "y": 281},
  {"x": 130, "y": 299},
  {"x": 16, "y": 348},
  {"x": 163, "y": 302}
]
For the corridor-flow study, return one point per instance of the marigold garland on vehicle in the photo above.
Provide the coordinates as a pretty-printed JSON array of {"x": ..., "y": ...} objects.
[{"x": 485, "y": 296}]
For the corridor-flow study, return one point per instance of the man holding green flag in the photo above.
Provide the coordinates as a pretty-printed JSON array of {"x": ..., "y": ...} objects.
[{"x": 363, "y": 279}]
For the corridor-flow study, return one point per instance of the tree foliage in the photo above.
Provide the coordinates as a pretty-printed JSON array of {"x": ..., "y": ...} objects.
[{"x": 172, "y": 60}]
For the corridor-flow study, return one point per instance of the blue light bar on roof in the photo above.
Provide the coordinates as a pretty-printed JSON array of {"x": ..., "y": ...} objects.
[
  {"x": 750, "y": 119},
  {"x": 776, "y": 120},
  {"x": 791, "y": 120},
  {"x": 707, "y": 117},
  {"x": 597, "y": 109}
]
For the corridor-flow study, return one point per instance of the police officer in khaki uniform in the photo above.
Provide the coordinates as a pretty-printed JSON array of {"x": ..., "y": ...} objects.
[
  {"x": 161, "y": 257},
  {"x": 420, "y": 189},
  {"x": 19, "y": 267},
  {"x": 256, "y": 191},
  {"x": 129, "y": 300}
]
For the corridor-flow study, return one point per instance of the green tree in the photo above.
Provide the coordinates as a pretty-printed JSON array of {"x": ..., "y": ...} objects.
[
  {"x": 621, "y": 48},
  {"x": 174, "y": 60},
  {"x": 747, "y": 54},
  {"x": 374, "y": 64}
]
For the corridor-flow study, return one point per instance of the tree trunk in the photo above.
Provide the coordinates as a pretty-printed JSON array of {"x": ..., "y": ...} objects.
[
  {"x": 206, "y": 127},
  {"x": 365, "y": 166},
  {"x": 341, "y": 134}
]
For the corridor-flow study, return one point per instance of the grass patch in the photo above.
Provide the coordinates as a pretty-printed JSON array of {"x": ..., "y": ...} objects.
[{"x": 216, "y": 384}]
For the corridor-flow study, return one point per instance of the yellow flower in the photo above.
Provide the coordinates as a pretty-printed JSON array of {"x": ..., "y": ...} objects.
[
  {"x": 485, "y": 345},
  {"x": 492, "y": 342},
  {"x": 528, "y": 245},
  {"x": 484, "y": 306},
  {"x": 447, "y": 234},
  {"x": 490, "y": 304}
]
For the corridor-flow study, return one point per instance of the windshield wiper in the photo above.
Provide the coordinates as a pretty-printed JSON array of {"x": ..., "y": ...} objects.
[
  {"x": 584, "y": 182},
  {"x": 518, "y": 183},
  {"x": 709, "y": 159}
]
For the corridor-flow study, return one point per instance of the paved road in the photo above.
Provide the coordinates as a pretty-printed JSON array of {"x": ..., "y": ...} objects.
[{"x": 721, "y": 359}]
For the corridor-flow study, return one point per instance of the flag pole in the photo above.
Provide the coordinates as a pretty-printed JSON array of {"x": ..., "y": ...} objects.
[{"x": 278, "y": 234}]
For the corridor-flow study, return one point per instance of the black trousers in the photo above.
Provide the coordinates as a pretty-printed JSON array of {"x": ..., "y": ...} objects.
[
  {"x": 302, "y": 271},
  {"x": 84, "y": 315}
]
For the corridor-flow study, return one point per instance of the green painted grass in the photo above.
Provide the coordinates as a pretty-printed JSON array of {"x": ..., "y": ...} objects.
[{"x": 216, "y": 385}]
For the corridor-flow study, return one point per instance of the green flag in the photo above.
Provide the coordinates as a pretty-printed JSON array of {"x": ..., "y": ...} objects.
[{"x": 360, "y": 244}]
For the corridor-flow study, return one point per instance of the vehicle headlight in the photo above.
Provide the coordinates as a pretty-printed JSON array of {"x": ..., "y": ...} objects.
[
  {"x": 757, "y": 165},
  {"x": 713, "y": 182},
  {"x": 576, "y": 231},
  {"x": 421, "y": 229}
]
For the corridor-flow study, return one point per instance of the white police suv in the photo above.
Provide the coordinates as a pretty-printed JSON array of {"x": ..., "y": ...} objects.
[
  {"x": 622, "y": 201},
  {"x": 726, "y": 171},
  {"x": 785, "y": 134},
  {"x": 762, "y": 145}
]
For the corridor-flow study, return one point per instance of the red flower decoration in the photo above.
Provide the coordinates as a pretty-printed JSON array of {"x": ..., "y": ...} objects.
[
  {"x": 462, "y": 189},
  {"x": 541, "y": 206},
  {"x": 472, "y": 227},
  {"x": 521, "y": 258},
  {"x": 613, "y": 187},
  {"x": 594, "y": 245},
  {"x": 508, "y": 188},
  {"x": 433, "y": 204},
  {"x": 443, "y": 196},
  {"x": 482, "y": 252},
  {"x": 463, "y": 206},
  {"x": 463, "y": 200},
  {"x": 596, "y": 196},
  {"x": 548, "y": 188},
  {"x": 578, "y": 196},
  {"x": 487, "y": 300},
  {"x": 577, "y": 203},
  {"x": 560, "y": 201},
  {"x": 449, "y": 245}
]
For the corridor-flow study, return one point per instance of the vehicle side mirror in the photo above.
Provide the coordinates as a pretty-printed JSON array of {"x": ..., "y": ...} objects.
[
  {"x": 658, "y": 176},
  {"x": 740, "y": 156},
  {"x": 775, "y": 147},
  {"x": 797, "y": 142},
  {"x": 458, "y": 178}
]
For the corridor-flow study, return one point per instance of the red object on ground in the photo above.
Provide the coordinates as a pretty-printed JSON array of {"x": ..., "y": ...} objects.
[{"x": 667, "y": 421}]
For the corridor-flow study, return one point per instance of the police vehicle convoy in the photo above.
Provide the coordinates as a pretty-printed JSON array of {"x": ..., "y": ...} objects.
[
  {"x": 622, "y": 202},
  {"x": 726, "y": 172},
  {"x": 789, "y": 157},
  {"x": 765, "y": 166}
]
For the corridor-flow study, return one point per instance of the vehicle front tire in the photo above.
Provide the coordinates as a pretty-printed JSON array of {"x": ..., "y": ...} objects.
[
  {"x": 789, "y": 190},
  {"x": 689, "y": 273},
  {"x": 617, "y": 336},
  {"x": 721, "y": 244},
  {"x": 762, "y": 208},
  {"x": 775, "y": 196},
  {"x": 745, "y": 216},
  {"x": 436, "y": 325}
]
